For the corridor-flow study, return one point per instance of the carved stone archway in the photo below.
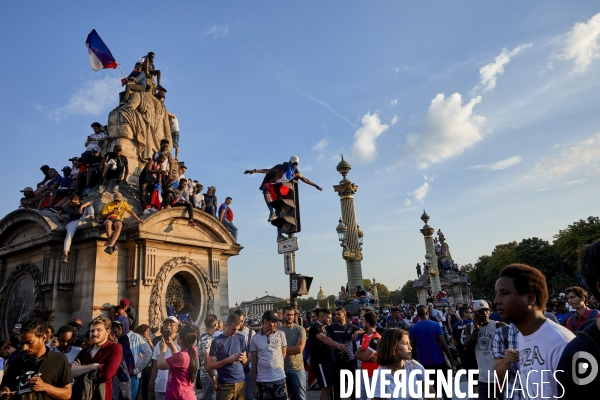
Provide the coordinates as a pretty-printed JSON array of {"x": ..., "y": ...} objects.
[
  {"x": 198, "y": 280},
  {"x": 6, "y": 291}
]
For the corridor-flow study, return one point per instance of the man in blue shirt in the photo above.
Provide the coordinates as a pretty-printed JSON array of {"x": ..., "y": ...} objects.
[
  {"x": 227, "y": 355},
  {"x": 429, "y": 345},
  {"x": 562, "y": 312},
  {"x": 136, "y": 82},
  {"x": 226, "y": 217}
]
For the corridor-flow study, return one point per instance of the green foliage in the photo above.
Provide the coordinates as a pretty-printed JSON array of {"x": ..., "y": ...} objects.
[
  {"x": 570, "y": 241},
  {"x": 306, "y": 304},
  {"x": 406, "y": 293},
  {"x": 281, "y": 304},
  {"x": 382, "y": 291}
]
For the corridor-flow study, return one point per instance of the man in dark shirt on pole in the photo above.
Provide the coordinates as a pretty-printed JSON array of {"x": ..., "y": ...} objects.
[
  {"x": 341, "y": 332},
  {"x": 321, "y": 352},
  {"x": 39, "y": 373}
]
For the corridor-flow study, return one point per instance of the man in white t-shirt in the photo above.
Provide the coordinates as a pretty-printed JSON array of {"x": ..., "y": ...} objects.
[
  {"x": 159, "y": 378},
  {"x": 521, "y": 296},
  {"x": 96, "y": 139}
]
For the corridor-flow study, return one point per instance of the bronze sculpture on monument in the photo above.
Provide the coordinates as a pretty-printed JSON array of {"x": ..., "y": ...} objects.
[
  {"x": 159, "y": 262},
  {"x": 438, "y": 276}
]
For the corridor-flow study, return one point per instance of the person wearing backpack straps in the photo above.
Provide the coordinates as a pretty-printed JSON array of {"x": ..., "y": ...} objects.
[
  {"x": 577, "y": 296},
  {"x": 585, "y": 348}
]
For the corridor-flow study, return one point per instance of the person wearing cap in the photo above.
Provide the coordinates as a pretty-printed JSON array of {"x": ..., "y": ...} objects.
[
  {"x": 78, "y": 214},
  {"x": 113, "y": 214},
  {"x": 228, "y": 355},
  {"x": 136, "y": 82},
  {"x": 29, "y": 200},
  {"x": 96, "y": 139},
  {"x": 283, "y": 172},
  {"x": 115, "y": 166},
  {"x": 480, "y": 336},
  {"x": 267, "y": 351}
]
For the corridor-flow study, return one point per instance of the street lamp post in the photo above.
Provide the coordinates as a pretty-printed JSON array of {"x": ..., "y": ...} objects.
[
  {"x": 349, "y": 233},
  {"x": 434, "y": 272}
]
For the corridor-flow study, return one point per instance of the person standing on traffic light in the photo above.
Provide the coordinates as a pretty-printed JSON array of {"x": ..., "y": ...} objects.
[{"x": 284, "y": 172}]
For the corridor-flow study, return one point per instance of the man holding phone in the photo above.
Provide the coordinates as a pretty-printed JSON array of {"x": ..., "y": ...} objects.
[
  {"x": 228, "y": 355},
  {"x": 158, "y": 379}
]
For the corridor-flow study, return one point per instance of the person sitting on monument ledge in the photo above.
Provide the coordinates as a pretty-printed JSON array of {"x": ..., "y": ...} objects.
[
  {"x": 164, "y": 149},
  {"x": 152, "y": 173},
  {"x": 63, "y": 188},
  {"x": 136, "y": 82},
  {"x": 361, "y": 296},
  {"x": 114, "y": 166},
  {"x": 96, "y": 139},
  {"x": 78, "y": 214},
  {"x": 148, "y": 67},
  {"x": 112, "y": 217},
  {"x": 182, "y": 199},
  {"x": 42, "y": 192},
  {"x": 44, "y": 169},
  {"x": 29, "y": 200}
]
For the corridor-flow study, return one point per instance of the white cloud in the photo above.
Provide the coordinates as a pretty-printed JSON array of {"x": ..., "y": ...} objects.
[
  {"x": 499, "y": 165},
  {"x": 575, "y": 182},
  {"x": 582, "y": 43},
  {"x": 394, "y": 102},
  {"x": 489, "y": 72},
  {"x": 94, "y": 98},
  {"x": 450, "y": 128},
  {"x": 407, "y": 202},
  {"x": 365, "y": 137},
  {"x": 584, "y": 154},
  {"x": 395, "y": 119},
  {"x": 217, "y": 31},
  {"x": 421, "y": 192},
  {"x": 321, "y": 144}
]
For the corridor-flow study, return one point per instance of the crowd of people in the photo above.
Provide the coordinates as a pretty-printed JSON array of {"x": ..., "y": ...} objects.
[{"x": 162, "y": 182}]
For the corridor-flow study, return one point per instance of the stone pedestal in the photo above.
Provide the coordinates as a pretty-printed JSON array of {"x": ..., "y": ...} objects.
[{"x": 157, "y": 263}]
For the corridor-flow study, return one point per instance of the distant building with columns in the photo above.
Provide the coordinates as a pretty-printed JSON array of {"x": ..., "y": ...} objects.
[{"x": 259, "y": 305}]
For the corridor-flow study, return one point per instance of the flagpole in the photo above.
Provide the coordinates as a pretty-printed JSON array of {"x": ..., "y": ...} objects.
[{"x": 119, "y": 65}]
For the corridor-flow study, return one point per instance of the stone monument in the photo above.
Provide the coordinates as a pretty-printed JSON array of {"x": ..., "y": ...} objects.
[
  {"x": 157, "y": 263},
  {"x": 456, "y": 286}
]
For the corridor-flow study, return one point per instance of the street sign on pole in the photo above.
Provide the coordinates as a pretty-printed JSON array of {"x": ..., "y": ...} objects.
[
  {"x": 288, "y": 245},
  {"x": 289, "y": 263}
]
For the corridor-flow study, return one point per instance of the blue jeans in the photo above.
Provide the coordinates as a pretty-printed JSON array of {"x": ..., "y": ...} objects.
[
  {"x": 361, "y": 301},
  {"x": 231, "y": 228},
  {"x": 249, "y": 385},
  {"x": 296, "y": 383},
  {"x": 135, "y": 384}
]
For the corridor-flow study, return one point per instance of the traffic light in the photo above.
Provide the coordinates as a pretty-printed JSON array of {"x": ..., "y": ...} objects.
[
  {"x": 300, "y": 284},
  {"x": 287, "y": 207}
]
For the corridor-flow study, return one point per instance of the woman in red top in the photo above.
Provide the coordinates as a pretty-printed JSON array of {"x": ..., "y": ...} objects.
[{"x": 182, "y": 365}]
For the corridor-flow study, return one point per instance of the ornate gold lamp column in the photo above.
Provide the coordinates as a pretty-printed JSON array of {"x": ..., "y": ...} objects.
[
  {"x": 434, "y": 272},
  {"x": 350, "y": 235}
]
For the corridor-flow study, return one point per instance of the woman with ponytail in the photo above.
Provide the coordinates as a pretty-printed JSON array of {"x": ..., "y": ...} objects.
[{"x": 182, "y": 365}]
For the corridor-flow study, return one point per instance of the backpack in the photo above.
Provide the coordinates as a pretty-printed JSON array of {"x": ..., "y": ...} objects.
[{"x": 572, "y": 318}]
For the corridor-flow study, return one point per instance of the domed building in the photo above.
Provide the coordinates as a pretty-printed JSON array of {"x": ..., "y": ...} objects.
[{"x": 321, "y": 295}]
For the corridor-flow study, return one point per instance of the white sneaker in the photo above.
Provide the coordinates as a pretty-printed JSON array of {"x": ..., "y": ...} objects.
[
  {"x": 153, "y": 210},
  {"x": 272, "y": 217},
  {"x": 146, "y": 211}
]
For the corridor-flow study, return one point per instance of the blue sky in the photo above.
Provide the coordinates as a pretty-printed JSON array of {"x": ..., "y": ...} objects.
[{"x": 483, "y": 113}]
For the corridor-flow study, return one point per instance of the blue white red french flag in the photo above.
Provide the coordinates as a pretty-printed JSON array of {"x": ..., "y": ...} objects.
[{"x": 100, "y": 55}]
